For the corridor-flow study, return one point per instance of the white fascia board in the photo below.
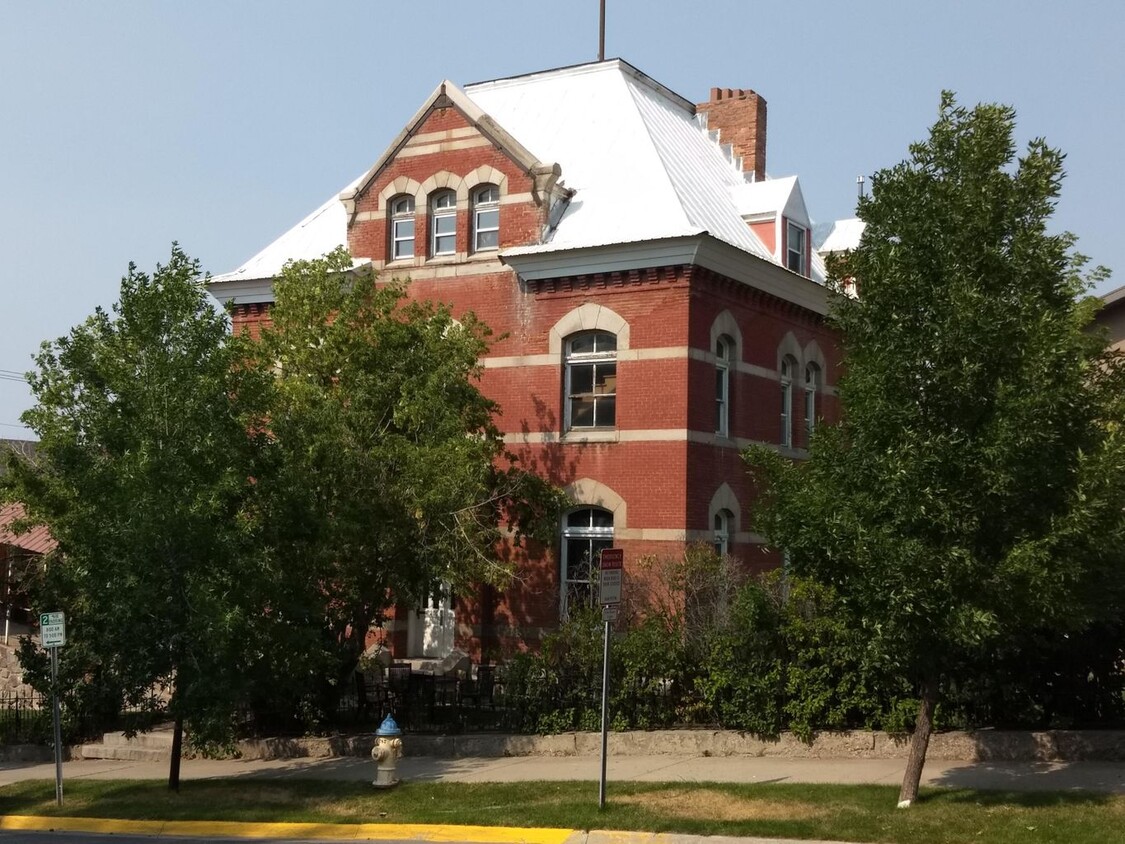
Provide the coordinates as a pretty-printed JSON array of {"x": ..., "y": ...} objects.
[
  {"x": 701, "y": 250},
  {"x": 241, "y": 292},
  {"x": 762, "y": 275},
  {"x": 253, "y": 291},
  {"x": 559, "y": 263}
]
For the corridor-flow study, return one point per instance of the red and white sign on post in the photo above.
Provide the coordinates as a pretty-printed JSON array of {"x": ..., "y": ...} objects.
[{"x": 609, "y": 579}]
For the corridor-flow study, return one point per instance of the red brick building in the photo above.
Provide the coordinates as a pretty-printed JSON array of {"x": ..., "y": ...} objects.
[{"x": 659, "y": 299}]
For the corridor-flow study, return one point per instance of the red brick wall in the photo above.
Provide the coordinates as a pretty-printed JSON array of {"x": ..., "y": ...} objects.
[{"x": 666, "y": 462}]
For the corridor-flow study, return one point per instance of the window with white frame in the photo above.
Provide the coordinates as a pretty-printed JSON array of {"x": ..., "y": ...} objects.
[
  {"x": 402, "y": 228},
  {"x": 443, "y": 223},
  {"x": 788, "y": 370},
  {"x": 723, "y": 354},
  {"x": 591, "y": 380},
  {"x": 812, "y": 384},
  {"x": 723, "y": 521},
  {"x": 486, "y": 218},
  {"x": 586, "y": 533},
  {"x": 795, "y": 248}
]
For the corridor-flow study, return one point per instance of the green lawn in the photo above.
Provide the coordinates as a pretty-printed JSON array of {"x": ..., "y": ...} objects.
[{"x": 847, "y": 813}]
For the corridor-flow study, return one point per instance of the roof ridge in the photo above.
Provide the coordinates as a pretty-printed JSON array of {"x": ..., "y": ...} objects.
[{"x": 670, "y": 180}]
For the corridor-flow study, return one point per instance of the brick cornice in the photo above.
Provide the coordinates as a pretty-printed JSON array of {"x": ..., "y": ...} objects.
[
  {"x": 753, "y": 296},
  {"x": 621, "y": 278}
]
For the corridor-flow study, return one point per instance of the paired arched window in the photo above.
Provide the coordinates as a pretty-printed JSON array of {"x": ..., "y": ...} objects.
[
  {"x": 788, "y": 373},
  {"x": 402, "y": 228},
  {"x": 724, "y": 347},
  {"x": 812, "y": 384},
  {"x": 591, "y": 380},
  {"x": 586, "y": 533},
  {"x": 722, "y": 524},
  {"x": 443, "y": 223},
  {"x": 486, "y": 218}
]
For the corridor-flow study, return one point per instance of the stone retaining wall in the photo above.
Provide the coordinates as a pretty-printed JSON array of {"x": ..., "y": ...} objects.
[{"x": 979, "y": 746}]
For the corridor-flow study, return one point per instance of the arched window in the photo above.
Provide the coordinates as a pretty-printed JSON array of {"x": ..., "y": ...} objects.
[
  {"x": 788, "y": 371},
  {"x": 723, "y": 521},
  {"x": 812, "y": 384},
  {"x": 486, "y": 218},
  {"x": 443, "y": 223},
  {"x": 402, "y": 227},
  {"x": 586, "y": 533},
  {"x": 723, "y": 353},
  {"x": 591, "y": 380}
]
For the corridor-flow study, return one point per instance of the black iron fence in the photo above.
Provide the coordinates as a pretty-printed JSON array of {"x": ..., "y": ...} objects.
[
  {"x": 494, "y": 699},
  {"x": 25, "y": 717}
]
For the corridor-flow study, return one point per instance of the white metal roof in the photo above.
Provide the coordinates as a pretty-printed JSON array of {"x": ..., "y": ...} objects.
[
  {"x": 639, "y": 165},
  {"x": 318, "y": 234},
  {"x": 838, "y": 236}
]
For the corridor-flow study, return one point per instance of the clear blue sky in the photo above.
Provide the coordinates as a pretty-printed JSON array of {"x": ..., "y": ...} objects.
[{"x": 127, "y": 125}]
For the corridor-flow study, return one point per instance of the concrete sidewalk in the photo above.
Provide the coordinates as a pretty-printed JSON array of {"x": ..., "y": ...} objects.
[{"x": 1107, "y": 777}]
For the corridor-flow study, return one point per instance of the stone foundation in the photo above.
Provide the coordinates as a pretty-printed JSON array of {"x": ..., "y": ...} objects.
[{"x": 977, "y": 746}]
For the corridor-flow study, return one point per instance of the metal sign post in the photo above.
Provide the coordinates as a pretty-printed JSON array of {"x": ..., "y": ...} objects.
[
  {"x": 609, "y": 585},
  {"x": 52, "y": 634}
]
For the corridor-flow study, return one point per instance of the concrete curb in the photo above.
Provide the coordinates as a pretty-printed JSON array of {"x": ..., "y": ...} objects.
[
  {"x": 598, "y": 836},
  {"x": 335, "y": 832}
]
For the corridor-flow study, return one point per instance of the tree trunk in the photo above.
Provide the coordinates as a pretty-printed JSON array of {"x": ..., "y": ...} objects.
[
  {"x": 919, "y": 742},
  {"x": 177, "y": 748}
]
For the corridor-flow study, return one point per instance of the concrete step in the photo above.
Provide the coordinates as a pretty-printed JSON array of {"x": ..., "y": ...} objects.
[
  {"x": 155, "y": 746},
  {"x": 124, "y": 753},
  {"x": 155, "y": 740}
]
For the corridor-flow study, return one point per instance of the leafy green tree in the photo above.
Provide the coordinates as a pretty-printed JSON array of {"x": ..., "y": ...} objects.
[
  {"x": 150, "y": 435},
  {"x": 390, "y": 474},
  {"x": 974, "y": 489}
]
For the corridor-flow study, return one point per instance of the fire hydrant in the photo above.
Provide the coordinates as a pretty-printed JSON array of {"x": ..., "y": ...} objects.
[{"x": 386, "y": 753}]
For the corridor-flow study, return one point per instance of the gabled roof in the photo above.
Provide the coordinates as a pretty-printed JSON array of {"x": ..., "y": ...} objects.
[
  {"x": 639, "y": 167},
  {"x": 445, "y": 95},
  {"x": 779, "y": 196}
]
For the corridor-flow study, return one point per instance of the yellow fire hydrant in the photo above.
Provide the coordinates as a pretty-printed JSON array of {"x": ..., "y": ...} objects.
[{"x": 386, "y": 753}]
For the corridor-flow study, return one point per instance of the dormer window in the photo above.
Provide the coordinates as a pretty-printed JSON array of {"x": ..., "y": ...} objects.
[
  {"x": 795, "y": 248},
  {"x": 402, "y": 228},
  {"x": 443, "y": 223},
  {"x": 486, "y": 218}
]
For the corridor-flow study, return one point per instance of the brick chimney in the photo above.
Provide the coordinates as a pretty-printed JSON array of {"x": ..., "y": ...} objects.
[{"x": 740, "y": 117}]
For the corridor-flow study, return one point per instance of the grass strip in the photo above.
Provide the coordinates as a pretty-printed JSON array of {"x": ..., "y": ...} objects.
[{"x": 844, "y": 813}]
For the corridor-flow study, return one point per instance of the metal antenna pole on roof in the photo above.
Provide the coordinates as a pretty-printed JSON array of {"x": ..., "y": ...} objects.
[
  {"x": 859, "y": 185},
  {"x": 601, "y": 33}
]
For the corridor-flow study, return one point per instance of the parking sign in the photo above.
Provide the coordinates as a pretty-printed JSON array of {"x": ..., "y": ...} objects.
[{"x": 52, "y": 629}]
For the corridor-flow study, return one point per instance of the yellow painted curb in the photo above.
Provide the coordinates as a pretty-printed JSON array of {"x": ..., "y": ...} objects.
[{"x": 338, "y": 832}]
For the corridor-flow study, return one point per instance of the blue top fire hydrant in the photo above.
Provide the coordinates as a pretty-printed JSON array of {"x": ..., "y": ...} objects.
[{"x": 386, "y": 753}]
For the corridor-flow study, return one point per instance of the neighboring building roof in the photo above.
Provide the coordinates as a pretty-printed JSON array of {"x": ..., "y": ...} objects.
[
  {"x": 640, "y": 166},
  {"x": 37, "y": 540},
  {"x": 1114, "y": 298},
  {"x": 838, "y": 236}
]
